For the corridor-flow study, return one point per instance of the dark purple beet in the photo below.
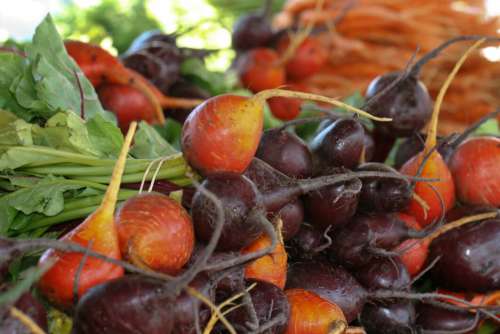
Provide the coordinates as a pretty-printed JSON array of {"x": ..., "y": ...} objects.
[
  {"x": 332, "y": 205},
  {"x": 369, "y": 143},
  {"x": 159, "y": 63},
  {"x": 433, "y": 318},
  {"x": 355, "y": 245},
  {"x": 30, "y": 307},
  {"x": 469, "y": 257},
  {"x": 185, "y": 89},
  {"x": 269, "y": 302},
  {"x": 396, "y": 317},
  {"x": 384, "y": 273},
  {"x": 130, "y": 304},
  {"x": 330, "y": 282},
  {"x": 383, "y": 146},
  {"x": 409, "y": 105},
  {"x": 380, "y": 194},
  {"x": 251, "y": 31},
  {"x": 238, "y": 196},
  {"x": 292, "y": 216},
  {"x": 286, "y": 152},
  {"x": 340, "y": 144},
  {"x": 306, "y": 243},
  {"x": 186, "y": 305}
]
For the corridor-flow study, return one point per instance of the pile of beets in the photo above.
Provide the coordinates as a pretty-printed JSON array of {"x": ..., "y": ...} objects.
[{"x": 318, "y": 237}]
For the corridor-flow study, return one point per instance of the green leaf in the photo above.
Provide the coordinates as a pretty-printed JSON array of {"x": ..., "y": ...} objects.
[
  {"x": 59, "y": 322},
  {"x": 11, "y": 67},
  {"x": 491, "y": 127},
  {"x": 18, "y": 156},
  {"x": 66, "y": 131},
  {"x": 45, "y": 197},
  {"x": 149, "y": 144},
  {"x": 105, "y": 136},
  {"x": 56, "y": 75},
  {"x": 14, "y": 131}
]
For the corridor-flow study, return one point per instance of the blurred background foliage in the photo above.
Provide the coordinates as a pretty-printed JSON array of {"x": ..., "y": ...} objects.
[{"x": 200, "y": 23}]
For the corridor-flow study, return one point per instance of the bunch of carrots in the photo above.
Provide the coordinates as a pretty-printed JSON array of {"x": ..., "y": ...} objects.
[{"x": 379, "y": 36}]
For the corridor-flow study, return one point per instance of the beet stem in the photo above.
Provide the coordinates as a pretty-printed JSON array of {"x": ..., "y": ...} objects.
[
  {"x": 432, "y": 132},
  {"x": 268, "y": 93},
  {"x": 201, "y": 262},
  {"x": 394, "y": 83},
  {"x": 435, "y": 52}
]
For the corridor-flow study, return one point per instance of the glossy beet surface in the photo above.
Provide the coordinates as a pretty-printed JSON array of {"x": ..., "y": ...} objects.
[
  {"x": 269, "y": 302},
  {"x": 131, "y": 304},
  {"x": 251, "y": 31},
  {"x": 355, "y": 245},
  {"x": 286, "y": 152},
  {"x": 409, "y": 105},
  {"x": 434, "y": 318},
  {"x": 469, "y": 257},
  {"x": 292, "y": 216},
  {"x": 384, "y": 273},
  {"x": 339, "y": 144},
  {"x": 238, "y": 197},
  {"x": 332, "y": 283},
  {"x": 380, "y": 194},
  {"x": 333, "y": 205},
  {"x": 389, "y": 318}
]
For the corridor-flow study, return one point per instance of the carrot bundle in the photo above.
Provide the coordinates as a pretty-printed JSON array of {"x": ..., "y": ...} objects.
[{"x": 379, "y": 36}]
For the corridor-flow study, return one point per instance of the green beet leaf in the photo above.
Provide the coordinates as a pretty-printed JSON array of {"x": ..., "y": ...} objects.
[{"x": 149, "y": 144}]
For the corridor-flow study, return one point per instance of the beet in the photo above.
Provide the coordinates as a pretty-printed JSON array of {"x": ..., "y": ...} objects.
[
  {"x": 409, "y": 105},
  {"x": 339, "y": 144},
  {"x": 251, "y": 31},
  {"x": 269, "y": 301},
  {"x": 356, "y": 244},
  {"x": 186, "y": 305},
  {"x": 131, "y": 304},
  {"x": 396, "y": 317},
  {"x": 286, "y": 152},
  {"x": 380, "y": 194},
  {"x": 387, "y": 273},
  {"x": 292, "y": 216},
  {"x": 306, "y": 243},
  {"x": 433, "y": 318},
  {"x": 330, "y": 282},
  {"x": 333, "y": 205},
  {"x": 469, "y": 257},
  {"x": 238, "y": 196}
]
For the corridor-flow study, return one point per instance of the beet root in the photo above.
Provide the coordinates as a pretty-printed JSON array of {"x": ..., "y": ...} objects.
[
  {"x": 432, "y": 318},
  {"x": 469, "y": 257},
  {"x": 332, "y": 283},
  {"x": 131, "y": 304},
  {"x": 396, "y": 317},
  {"x": 269, "y": 302}
]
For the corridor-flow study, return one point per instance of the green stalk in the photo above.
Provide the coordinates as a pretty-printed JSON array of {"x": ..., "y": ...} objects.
[
  {"x": 79, "y": 203},
  {"x": 95, "y": 170},
  {"x": 165, "y": 173},
  {"x": 62, "y": 217}
]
